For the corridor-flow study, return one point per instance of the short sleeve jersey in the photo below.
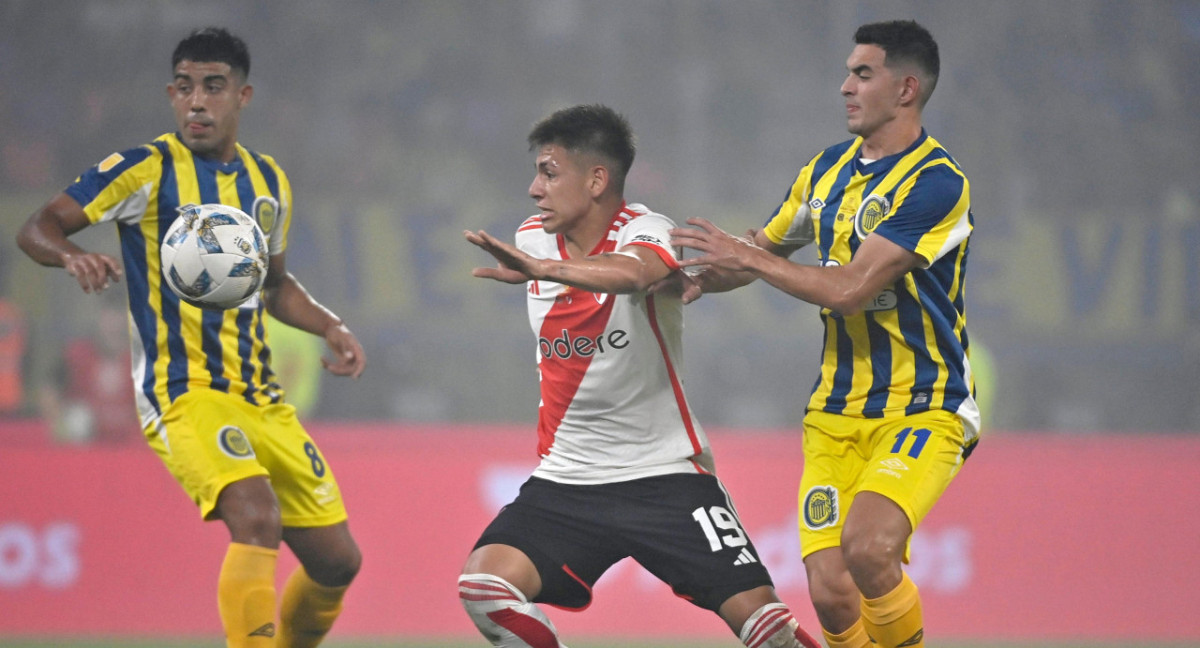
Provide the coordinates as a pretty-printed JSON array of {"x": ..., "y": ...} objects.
[
  {"x": 906, "y": 352},
  {"x": 176, "y": 346},
  {"x": 612, "y": 403}
]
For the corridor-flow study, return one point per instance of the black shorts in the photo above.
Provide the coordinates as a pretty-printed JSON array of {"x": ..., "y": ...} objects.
[{"x": 682, "y": 528}]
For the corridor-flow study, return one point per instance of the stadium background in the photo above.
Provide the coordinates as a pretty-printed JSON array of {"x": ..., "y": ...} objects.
[{"x": 403, "y": 123}]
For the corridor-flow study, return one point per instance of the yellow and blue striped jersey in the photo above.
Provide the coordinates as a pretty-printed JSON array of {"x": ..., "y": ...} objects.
[
  {"x": 906, "y": 352},
  {"x": 178, "y": 347}
]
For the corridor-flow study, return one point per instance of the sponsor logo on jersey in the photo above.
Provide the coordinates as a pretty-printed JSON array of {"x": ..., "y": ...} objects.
[
  {"x": 567, "y": 345},
  {"x": 885, "y": 300},
  {"x": 265, "y": 212},
  {"x": 816, "y": 203},
  {"x": 870, "y": 214},
  {"x": 648, "y": 238},
  {"x": 234, "y": 443},
  {"x": 820, "y": 507}
]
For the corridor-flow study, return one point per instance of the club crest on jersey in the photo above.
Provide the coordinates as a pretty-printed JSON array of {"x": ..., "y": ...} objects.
[
  {"x": 233, "y": 442},
  {"x": 265, "y": 212},
  {"x": 820, "y": 507},
  {"x": 870, "y": 214}
]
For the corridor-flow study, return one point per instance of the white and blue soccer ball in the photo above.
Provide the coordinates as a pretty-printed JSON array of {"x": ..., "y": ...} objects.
[{"x": 214, "y": 256}]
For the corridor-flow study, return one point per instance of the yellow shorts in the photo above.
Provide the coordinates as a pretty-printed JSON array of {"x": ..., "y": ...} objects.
[
  {"x": 210, "y": 439},
  {"x": 909, "y": 460}
]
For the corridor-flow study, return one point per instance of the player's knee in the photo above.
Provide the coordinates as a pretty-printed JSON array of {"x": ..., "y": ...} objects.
[
  {"x": 834, "y": 596},
  {"x": 256, "y": 524},
  {"x": 336, "y": 568},
  {"x": 251, "y": 512},
  {"x": 870, "y": 552}
]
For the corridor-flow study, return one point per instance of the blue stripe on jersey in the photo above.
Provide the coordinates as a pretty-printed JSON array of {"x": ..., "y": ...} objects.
[
  {"x": 832, "y": 204},
  {"x": 845, "y": 367},
  {"x": 956, "y": 387},
  {"x": 214, "y": 353},
  {"x": 168, "y": 200},
  {"x": 133, "y": 251},
  {"x": 925, "y": 370},
  {"x": 245, "y": 318},
  {"x": 828, "y": 158},
  {"x": 881, "y": 368},
  {"x": 266, "y": 376},
  {"x": 92, "y": 182},
  {"x": 269, "y": 175},
  {"x": 211, "y": 321}
]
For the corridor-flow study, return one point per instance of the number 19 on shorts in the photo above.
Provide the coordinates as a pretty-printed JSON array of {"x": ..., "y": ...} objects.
[{"x": 720, "y": 527}]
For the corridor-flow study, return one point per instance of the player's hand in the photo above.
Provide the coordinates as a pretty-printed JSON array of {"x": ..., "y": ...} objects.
[
  {"x": 678, "y": 284},
  {"x": 348, "y": 356},
  {"x": 95, "y": 272},
  {"x": 513, "y": 266},
  {"x": 718, "y": 248}
]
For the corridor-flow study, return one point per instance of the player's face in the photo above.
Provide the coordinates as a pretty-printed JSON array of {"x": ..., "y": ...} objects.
[
  {"x": 562, "y": 188},
  {"x": 872, "y": 90},
  {"x": 208, "y": 99}
]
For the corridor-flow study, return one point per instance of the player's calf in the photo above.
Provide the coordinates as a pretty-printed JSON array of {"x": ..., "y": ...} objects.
[
  {"x": 773, "y": 626},
  {"x": 503, "y": 614}
]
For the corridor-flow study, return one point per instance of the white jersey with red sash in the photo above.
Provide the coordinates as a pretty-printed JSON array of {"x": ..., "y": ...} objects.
[{"x": 612, "y": 404}]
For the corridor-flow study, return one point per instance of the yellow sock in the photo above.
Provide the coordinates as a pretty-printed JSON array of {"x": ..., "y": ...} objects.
[
  {"x": 246, "y": 596},
  {"x": 854, "y": 637},
  {"x": 307, "y": 611},
  {"x": 894, "y": 619}
]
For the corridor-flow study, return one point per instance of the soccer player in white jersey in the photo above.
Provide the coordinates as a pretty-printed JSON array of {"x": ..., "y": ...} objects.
[{"x": 625, "y": 469}]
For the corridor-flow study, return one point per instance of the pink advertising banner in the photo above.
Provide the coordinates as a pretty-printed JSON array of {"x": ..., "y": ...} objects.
[{"x": 1040, "y": 537}]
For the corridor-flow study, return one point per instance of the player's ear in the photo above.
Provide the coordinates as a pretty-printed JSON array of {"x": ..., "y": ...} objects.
[
  {"x": 244, "y": 95},
  {"x": 910, "y": 89},
  {"x": 598, "y": 180}
]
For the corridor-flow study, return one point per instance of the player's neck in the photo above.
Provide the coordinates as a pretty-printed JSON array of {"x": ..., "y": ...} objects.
[
  {"x": 890, "y": 138},
  {"x": 593, "y": 228}
]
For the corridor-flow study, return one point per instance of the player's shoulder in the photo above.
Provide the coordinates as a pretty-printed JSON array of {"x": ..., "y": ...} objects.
[
  {"x": 642, "y": 216},
  {"x": 126, "y": 163},
  {"x": 839, "y": 149},
  {"x": 531, "y": 236}
]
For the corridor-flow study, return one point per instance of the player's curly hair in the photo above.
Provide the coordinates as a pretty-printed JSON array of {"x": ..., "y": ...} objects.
[
  {"x": 595, "y": 129},
  {"x": 905, "y": 41},
  {"x": 213, "y": 45}
]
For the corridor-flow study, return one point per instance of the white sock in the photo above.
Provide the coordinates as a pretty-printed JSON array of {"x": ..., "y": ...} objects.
[
  {"x": 773, "y": 626},
  {"x": 503, "y": 615}
]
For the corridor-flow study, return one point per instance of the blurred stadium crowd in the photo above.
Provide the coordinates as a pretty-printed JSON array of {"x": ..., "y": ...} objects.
[{"x": 403, "y": 123}]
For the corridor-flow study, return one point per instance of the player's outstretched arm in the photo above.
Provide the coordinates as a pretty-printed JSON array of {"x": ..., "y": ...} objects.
[
  {"x": 877, "y": 264},
  {"x": 44, "y": 238},
  {"x": 512, "y": 265},
  {"x": 287, "y": 300},
  {"x": 631, "y": 269}
]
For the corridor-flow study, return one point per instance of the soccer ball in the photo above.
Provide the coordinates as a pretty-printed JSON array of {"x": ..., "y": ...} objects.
[{"x": 214, "y": 256}]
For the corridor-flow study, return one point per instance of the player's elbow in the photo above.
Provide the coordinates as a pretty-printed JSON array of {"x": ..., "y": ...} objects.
[{"x": 848, "y": 303}]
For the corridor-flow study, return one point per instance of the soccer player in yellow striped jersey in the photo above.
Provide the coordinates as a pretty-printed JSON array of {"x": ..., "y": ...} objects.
[
  {"x": 208, "y": 400},
  {"x": 892, "y": 415}
]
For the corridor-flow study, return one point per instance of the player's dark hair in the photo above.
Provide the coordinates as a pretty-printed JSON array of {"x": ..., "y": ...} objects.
[
  {"x": 213, "y": 45},
  {"x": 905, "y": 41},
  {"x": 594, "y": 129}
]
